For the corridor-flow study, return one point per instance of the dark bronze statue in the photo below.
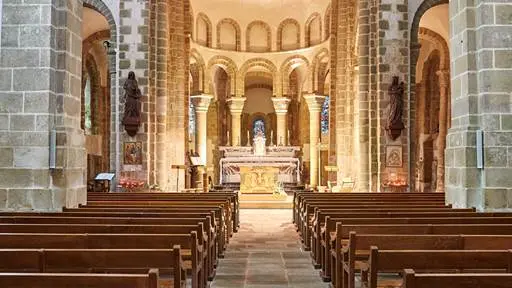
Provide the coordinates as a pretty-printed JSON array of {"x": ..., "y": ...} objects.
[
  {"x": 395, "y": 125},
  {"x": 132, "y": 106}
]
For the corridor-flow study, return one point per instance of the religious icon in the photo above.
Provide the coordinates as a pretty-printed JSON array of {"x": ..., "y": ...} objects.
[
  {"x": 394, "y": 124},
  {"x": 394, "y": 156},
  {"x": 133, "y": 153},
  {"x": 132, "y": 106}
]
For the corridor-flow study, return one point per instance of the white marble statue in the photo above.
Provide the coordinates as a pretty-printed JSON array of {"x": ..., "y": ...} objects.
[{"x": 259, "y": 144}]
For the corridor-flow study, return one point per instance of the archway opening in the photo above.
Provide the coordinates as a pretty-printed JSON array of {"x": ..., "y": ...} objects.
[{"x": 96, "y": 106}]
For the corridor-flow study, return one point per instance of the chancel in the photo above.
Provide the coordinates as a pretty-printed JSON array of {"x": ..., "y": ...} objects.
[{"x": 255, "y": 143}]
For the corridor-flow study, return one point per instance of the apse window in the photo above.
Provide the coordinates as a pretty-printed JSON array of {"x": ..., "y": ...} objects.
[
  {"x": 87, "y": 104},
  {"x": 325, "y": 116}
]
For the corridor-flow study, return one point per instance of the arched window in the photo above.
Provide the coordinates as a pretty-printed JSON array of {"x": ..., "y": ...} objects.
[
  {"x": 325, "y": 116},
  {"x": 191, "y": 120},
  {"x": 258, "y": 127},
  {"x": 87, "y": 106}
]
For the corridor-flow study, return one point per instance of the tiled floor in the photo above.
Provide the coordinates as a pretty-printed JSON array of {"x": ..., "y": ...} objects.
[{"x": 266, "y": 252}]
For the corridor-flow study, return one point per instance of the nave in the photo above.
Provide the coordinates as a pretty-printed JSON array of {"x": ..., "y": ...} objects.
[{"x": 266, "y": 252}]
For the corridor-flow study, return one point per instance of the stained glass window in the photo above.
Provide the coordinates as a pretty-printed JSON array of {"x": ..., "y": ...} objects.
[
  {"x": 87, "y": 106},
  {"x": 191, "y": 120},
  {"x": 325, "y": 116},
  {"x": 258, "y": 127}
]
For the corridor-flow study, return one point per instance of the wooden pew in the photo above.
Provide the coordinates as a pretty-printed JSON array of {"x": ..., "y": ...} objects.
[
  {"x": 220, "y": 227},
  {"x": 342, "y": 232},
  {"x": 168, "y": 261},
  {"x": 428, "y": 260},
  {"x": 312, "y": 229},
  {"x": 358, "y": 248},
  {"x": 388, "y": 214},
  {"x": 191, "y": 250},
  {"x": 231, "y": 196},
  {"x": 209, "y": 255},
  {"x": 224, "y": 208},
  {"x": 66, "y": 280},
  {"x": 465, "y": 280},
  {"x": 300, "y": 197},
  {"x": 306, "y": 214}
]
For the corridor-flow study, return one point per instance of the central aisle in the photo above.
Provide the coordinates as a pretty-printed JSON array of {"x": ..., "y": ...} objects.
[{"x": 266, "y": 252}]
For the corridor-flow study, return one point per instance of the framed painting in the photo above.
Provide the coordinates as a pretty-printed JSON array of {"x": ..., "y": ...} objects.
[
  {"x": 133, "y": 153},
  {"x": 394, "y": 156}
]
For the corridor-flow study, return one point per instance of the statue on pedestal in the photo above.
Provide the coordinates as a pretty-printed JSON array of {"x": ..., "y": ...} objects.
[
  {"x": 394, "y": 124},
  {"x": 132, "y": 106}
]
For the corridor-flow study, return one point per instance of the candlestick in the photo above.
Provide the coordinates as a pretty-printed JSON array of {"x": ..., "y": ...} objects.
[
  {"x": 248, "y": 138},
  {"x": 289, "y": 140},
  {"x": 227, "y": 142},
  {"x": 271, "y": 137}
]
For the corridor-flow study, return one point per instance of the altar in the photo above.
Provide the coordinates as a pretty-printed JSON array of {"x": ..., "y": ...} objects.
[{"x": 259, "y": 169}]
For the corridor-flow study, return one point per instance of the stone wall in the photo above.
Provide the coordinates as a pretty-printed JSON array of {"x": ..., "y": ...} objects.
[
  {"x": 481, "y": 69},
  {"x": 40, "y": 75}
]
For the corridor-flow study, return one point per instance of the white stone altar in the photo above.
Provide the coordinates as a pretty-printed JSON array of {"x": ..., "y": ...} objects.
[{"x": 283, "y": 158}]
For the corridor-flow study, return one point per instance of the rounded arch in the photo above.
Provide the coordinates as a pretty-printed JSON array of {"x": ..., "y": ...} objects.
[
  {"x": 197, "y": 69},
  {"x": 103, "y": 9},
  {"x": 238, "y": 33},
  {"x": 438, "y": 40},
  {"x": 317, "y": 68},
  {"x": 327, "y": 22},
  {"x": 257, "y": 62},
  {"x": 279, "y": 39},
  {"x": 415, "y": 26},
  {"x": 309, "y": 22},
  {"x": 288, "y": 66},
  {"x": 208, "y": 41},
  {"x": 249, "y": 43},
  {"x": 228, "y": 65}
]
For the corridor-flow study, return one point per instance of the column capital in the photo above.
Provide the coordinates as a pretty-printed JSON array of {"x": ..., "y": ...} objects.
[
  {"x": 236, "y": 104},
  {"x": 281, "y": 104},
  {"x": 201, "y": 102},
  {"x": 314, "y": 102},
  {"x": 444, "y": 77}
]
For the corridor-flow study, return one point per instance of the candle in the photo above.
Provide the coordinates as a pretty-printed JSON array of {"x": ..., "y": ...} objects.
[
  {"x": 288, "y": 136},
  {"x": 228, "y": 139}
]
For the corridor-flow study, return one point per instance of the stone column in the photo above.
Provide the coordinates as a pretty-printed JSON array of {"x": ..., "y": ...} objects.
[
  {"x": 236, "y": 106},
  {"x": 281, "y": 108},
  {"x": 444, "y": 79},
  {"x": 201, "y": 104},
  {"x": 315, "y": 107},
  {"x": 42, "y": 158}
]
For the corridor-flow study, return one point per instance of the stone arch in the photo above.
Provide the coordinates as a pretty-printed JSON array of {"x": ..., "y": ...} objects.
[
  {"x": 315, "y": 69},
  {"x": 414, "y": 49},
  {"x": 231, "y": 69},
  {"x": 266, "y": 27},
  {"x": 309, "y": 22},
  {"x": 438, "y": 40},
  {"x": 238, "y": 31},
  {"x": 282, "y": 25},
  {"x": 101, "y": 8},
  {"x": 208, "y": 41},
  {"x": 327, "y": 22},
  {"x": 254, "y": 62},
  {"x": 287, "y": 68},
  {"x": 197, "y": 71}
]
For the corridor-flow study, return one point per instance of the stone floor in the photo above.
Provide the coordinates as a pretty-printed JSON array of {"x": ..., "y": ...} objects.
[{"x": 266, "y": 252}]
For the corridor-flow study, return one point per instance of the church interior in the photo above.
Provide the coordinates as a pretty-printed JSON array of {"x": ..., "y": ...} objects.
[{"x": 255, "y": 143}]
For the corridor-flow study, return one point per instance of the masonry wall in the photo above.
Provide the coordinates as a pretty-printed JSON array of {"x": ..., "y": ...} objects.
[
  {"x": 481, "y": 69},
  {"x": 40, "y": 75}
]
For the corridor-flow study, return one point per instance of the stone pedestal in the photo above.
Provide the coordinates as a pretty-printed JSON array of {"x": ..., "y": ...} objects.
[
  {"x": 236, "y": 106},
  {"x": 315, "y": 103},
  {"x": 281, "y": 108}
]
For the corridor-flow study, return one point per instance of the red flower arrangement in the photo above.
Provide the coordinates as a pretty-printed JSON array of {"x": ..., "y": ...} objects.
[{"x": 131, "y": 184}]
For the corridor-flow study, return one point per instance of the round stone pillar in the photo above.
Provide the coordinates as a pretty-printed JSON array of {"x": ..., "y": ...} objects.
[
  {"x": 444, "y": 80},
  {"x": 201, "y": 104},
  {"x": 236, "y": 106},
  {"x": 315, "y": 103},
  {"x": 281, "y": 108}
]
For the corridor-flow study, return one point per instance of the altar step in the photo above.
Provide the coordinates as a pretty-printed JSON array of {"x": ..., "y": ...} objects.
[
  {"x": 265, "y": 205},
  {"x": 265, "y": 201}
]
